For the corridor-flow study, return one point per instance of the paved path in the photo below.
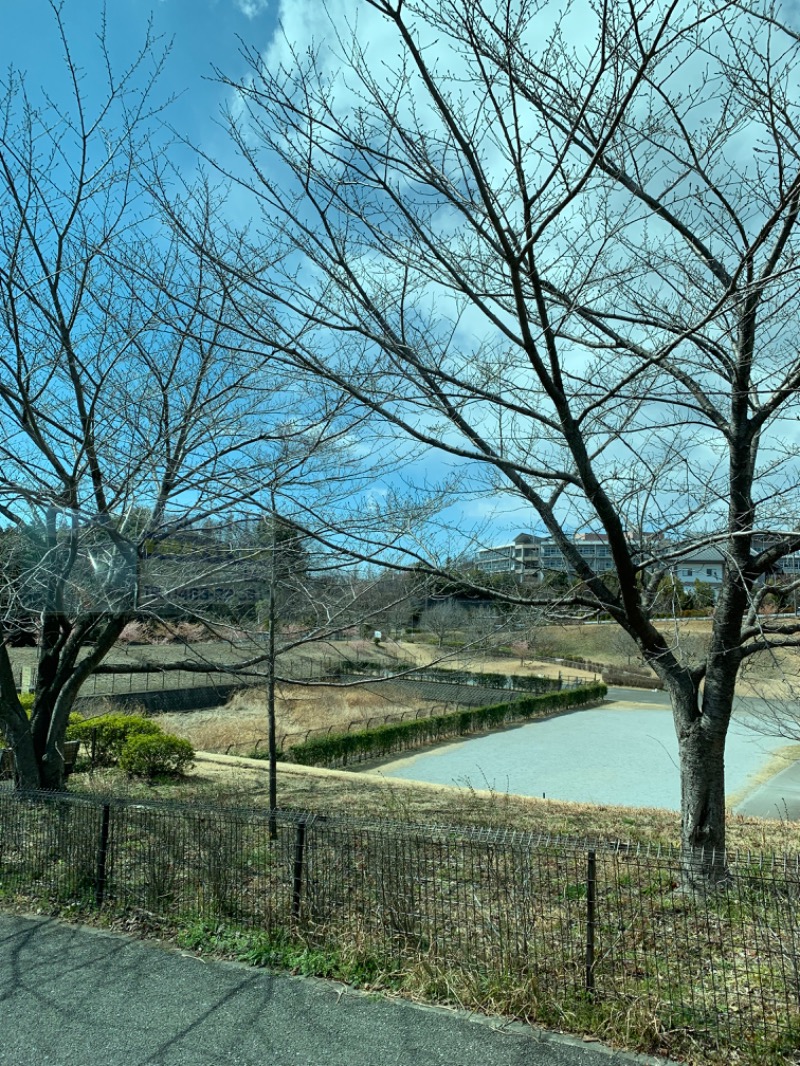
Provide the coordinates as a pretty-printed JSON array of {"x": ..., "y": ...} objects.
[
  {"x": 779, "y": 797},
  {"x": 71, "y": 996}
]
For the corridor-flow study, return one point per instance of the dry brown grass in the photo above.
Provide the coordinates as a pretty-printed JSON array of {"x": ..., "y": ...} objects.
[
  {"x": 447, "y": 659},
  {"x": 242, "y": 722},
  {"x": 769, "y": 675},
  {"x": 243, "y": 782}
]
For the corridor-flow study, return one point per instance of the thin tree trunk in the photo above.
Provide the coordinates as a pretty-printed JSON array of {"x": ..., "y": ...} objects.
[
  {"x": 17, "y": 728},
  {"x": 272, "y": 743},
  {"x": 273, "y": 753}
]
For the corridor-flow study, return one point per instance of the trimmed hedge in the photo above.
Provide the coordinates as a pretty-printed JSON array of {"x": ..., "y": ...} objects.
[
  {"x": 339, "y": 748},
  {"x": 111, "y": 732},
  {"x": 156, "y": 756}
]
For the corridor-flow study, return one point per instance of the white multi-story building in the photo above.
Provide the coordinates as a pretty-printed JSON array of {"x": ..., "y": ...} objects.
[
  {"x": 531, "y": 558},
  {"x": 522, "y": 557}
]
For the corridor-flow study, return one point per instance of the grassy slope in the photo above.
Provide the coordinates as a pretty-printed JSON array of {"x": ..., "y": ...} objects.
[
  {"x": 762, "y": 675},
  {"x": 243, "y": 782}
]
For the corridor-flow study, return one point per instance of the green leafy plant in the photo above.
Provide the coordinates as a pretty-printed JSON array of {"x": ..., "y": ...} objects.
[
  {"x": 148, "y": 755},
  {"x": 111, "y": 732}
]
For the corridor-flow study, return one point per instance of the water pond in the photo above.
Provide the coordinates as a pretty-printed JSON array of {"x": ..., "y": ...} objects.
[{"x": 607, "y": 755}]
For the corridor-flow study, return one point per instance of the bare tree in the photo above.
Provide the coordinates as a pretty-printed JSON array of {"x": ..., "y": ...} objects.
[
  {"x": 442, "y": 619},
  {"x": 133, "y": 424},
  {"x": 67, "y": 192},
  {"x": 310, "y": 595},
  {"x": 563, "y": 249},
  {"x": 485, "y": 628}
]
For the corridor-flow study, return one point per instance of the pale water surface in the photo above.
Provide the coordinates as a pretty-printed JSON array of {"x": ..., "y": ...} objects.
[{"x": 603, "y": 756}]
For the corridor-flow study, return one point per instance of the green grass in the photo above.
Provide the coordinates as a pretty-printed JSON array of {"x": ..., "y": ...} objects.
[{"x": 280, "y": 951}]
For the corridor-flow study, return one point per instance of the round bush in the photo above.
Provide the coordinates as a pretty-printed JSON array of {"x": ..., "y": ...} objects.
[
  {"x": 156, "y": 756},
  {"x": 112, "y": 732}
]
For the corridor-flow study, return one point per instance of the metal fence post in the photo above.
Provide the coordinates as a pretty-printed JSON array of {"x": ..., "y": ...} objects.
[
  {"x": 297, "y": 876},
  {"x": 591, "y": 906},
  {"x": 102, "y": 857}
]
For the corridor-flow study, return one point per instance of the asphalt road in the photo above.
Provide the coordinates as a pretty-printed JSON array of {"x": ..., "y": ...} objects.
[
  {"x": 71, "y": 996},
  {"x": 779, "y": 797}
]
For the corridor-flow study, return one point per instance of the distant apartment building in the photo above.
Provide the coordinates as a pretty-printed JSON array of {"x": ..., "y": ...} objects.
[
  {"x": 522, "y": 557},
  {"x": 532, "y": 558}
]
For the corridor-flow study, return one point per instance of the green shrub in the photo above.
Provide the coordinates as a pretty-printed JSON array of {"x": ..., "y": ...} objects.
[
  {"x": 156, "y": 756},
  {"x": 111, "y": 733},
  {"x": 27, "y": 700}
]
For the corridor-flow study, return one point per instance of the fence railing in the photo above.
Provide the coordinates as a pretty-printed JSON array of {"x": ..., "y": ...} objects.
[
  {"x": 562, "y": 930},
  {"x": 434, "y": 698},
  {"x": 299, "y": 669}
]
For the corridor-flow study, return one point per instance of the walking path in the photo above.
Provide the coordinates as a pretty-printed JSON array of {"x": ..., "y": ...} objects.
[
  {"x": 72, "y": 996},
  {"x": 779, "y": 797}
]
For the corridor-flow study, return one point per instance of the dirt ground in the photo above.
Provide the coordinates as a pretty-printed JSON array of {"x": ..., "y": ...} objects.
[
  {"x": 426, "y": 655},
  {"x": 242, "y": 722}
]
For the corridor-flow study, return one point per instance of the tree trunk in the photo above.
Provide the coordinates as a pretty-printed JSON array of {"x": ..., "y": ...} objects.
[
  {"x": 701, "y": 725},
  {"x": 272, "y": 742},
  {"x": 26, "y": 776},
  {"x": 702, "y": 764}
]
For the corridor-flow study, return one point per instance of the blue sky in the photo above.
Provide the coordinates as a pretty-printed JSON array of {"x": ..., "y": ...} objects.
[{"x": 204, "y": 33}]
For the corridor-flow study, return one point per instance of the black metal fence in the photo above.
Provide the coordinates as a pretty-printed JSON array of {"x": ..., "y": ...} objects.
[
  {"x": 559, "y": 927},
  {"x": 298, "y": 667},
  {"x": 119, "y": 684},
  {"x": 427, "y": 698}
]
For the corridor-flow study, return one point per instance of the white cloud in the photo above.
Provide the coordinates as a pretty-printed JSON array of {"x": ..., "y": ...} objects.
[{"x": 252, "y": 8}]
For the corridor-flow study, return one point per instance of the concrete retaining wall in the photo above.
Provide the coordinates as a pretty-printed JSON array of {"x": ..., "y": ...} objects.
[{"x": 167, "y": 700}]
